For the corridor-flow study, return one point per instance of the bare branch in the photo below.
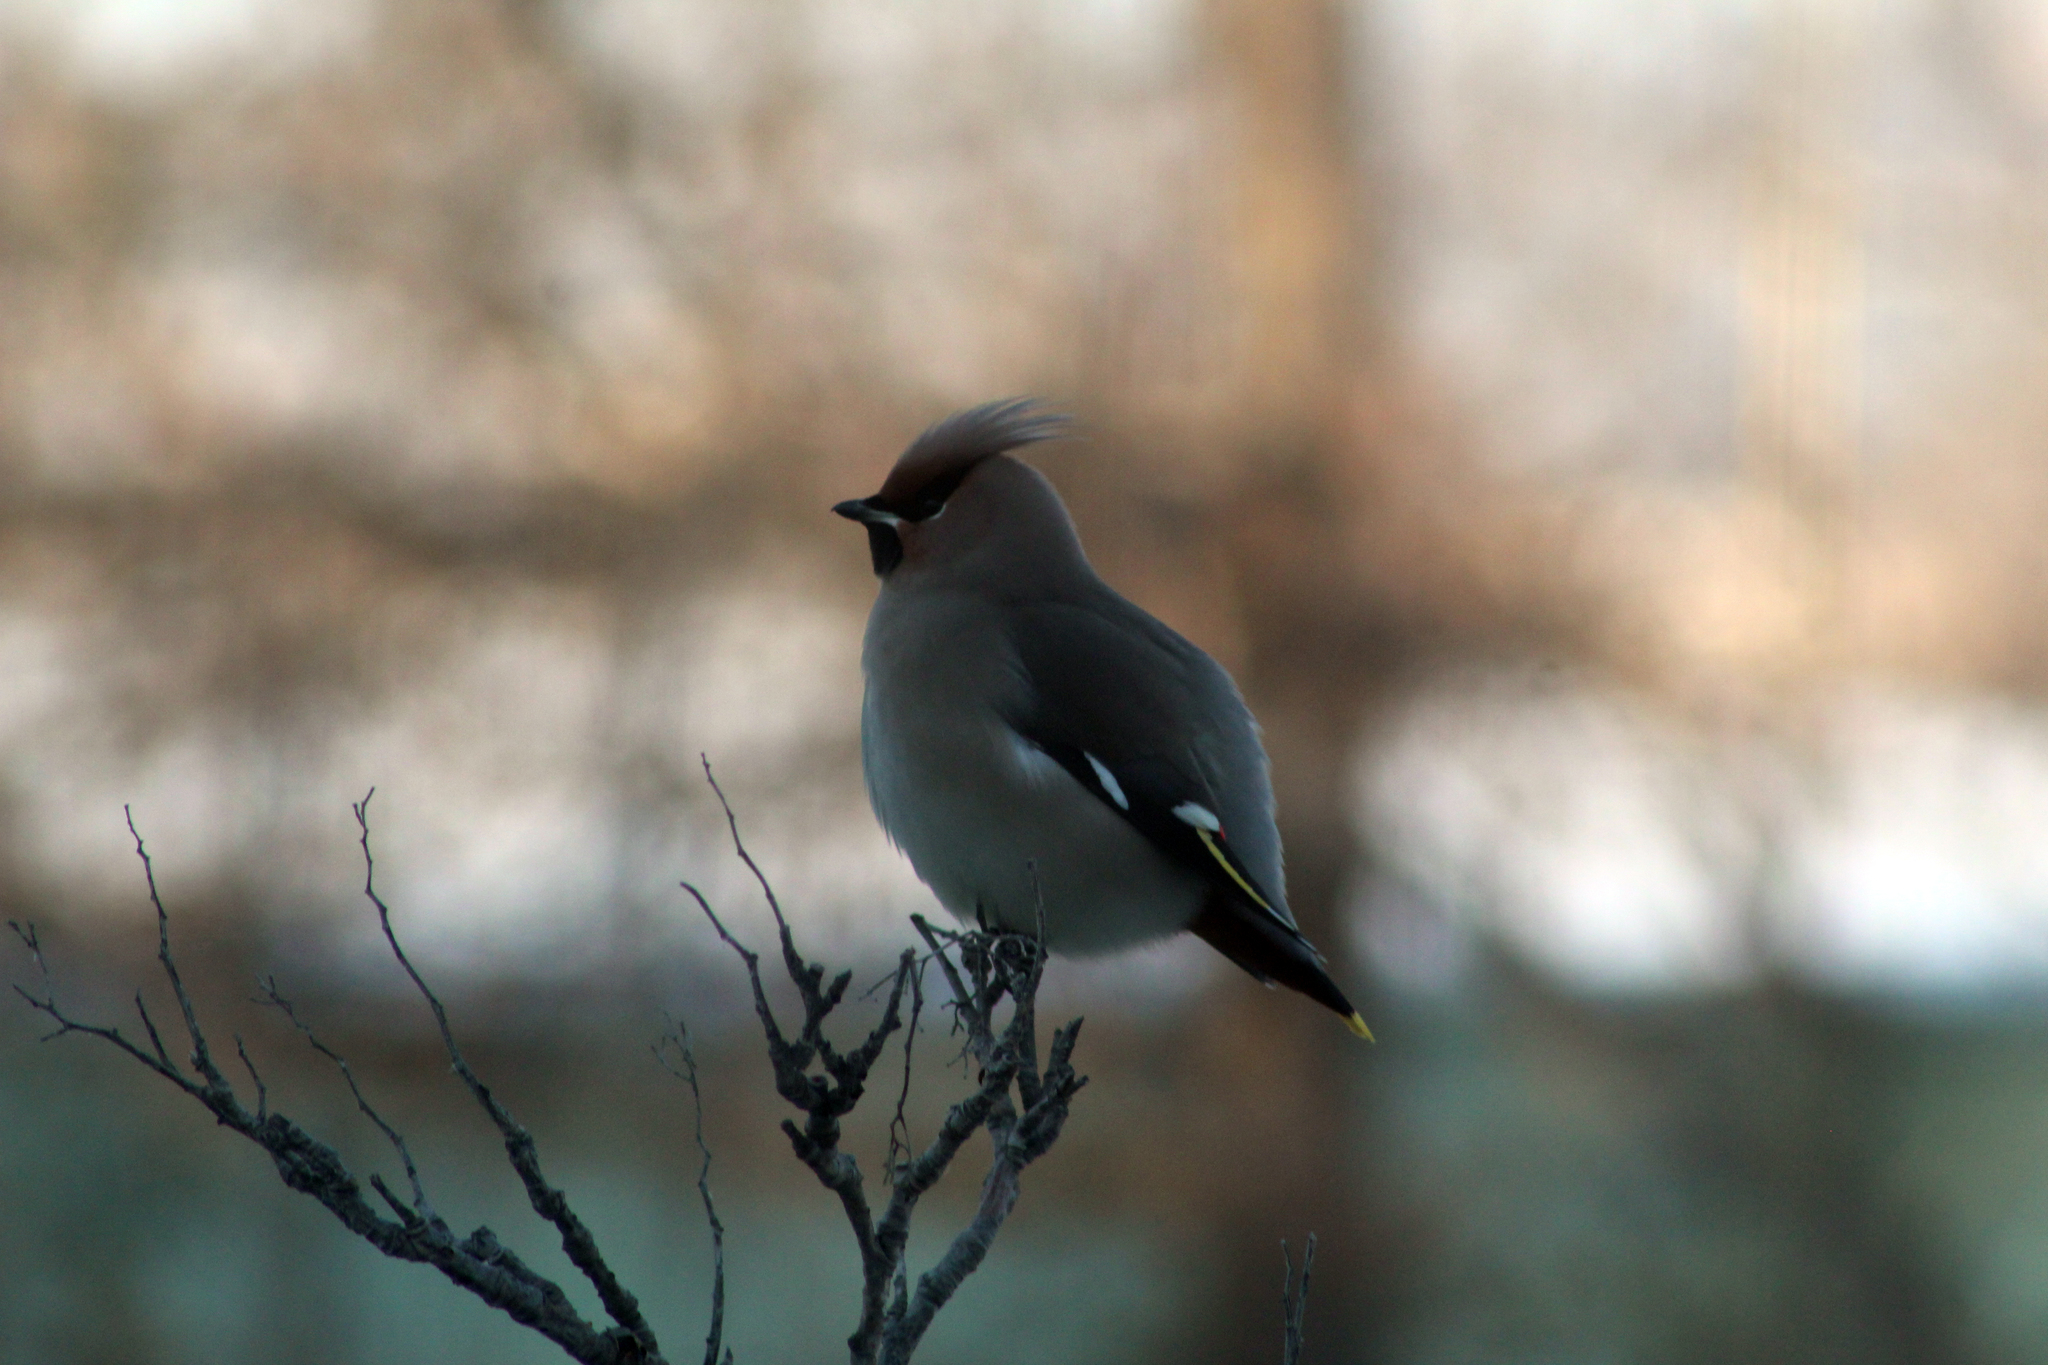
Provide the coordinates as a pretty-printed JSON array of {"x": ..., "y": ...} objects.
[
  {"x": 894, "y": 1316},
  {"x": 817, "y": 1003},
  {"x": 1020, "y": 1105},
  {"x": 46, "y": 1005},
  {"x": 407, "y": 1214},
  {"x": 732, "y": 823},
  {"x": 202, "y": 1059},
  {"x": 679, "y": 1037},
  {"x": 990, "y": 967},
  {"x": 549, "y": 1202},
  {"x": 1294, "y": 1300},
  {"x": 479, "y": 1263},
  {"x": 823, "y": 1099},
  {"x": 899, "y": 1126},
  {"x": 262, "y": 1090},
  {"x": 276, "y": 1001},
  {"x": 156, "y": 1040}
]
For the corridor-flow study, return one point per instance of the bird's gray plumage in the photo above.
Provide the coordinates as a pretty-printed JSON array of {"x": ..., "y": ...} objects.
[
  {"x": 1116, "y": 683},
  {"x": 1032, "y": 739}
]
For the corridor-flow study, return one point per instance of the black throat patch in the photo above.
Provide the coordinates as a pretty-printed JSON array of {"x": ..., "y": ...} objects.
[{"x": 885, "y": 547}]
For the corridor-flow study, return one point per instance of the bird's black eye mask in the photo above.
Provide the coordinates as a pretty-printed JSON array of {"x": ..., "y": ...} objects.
[{"x": 883, "y": 515}]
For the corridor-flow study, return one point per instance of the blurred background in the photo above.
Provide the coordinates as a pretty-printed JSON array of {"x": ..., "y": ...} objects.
[{"x": 1604, "y": 438}]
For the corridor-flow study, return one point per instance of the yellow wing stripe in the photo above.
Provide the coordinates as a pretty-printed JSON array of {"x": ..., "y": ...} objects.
[
  {"x": 1354, "y": 1023},
  {"x": 1209, "y": 842}
]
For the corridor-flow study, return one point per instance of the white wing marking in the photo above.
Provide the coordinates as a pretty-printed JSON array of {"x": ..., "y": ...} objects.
[{"x": 1108, "y": 781}]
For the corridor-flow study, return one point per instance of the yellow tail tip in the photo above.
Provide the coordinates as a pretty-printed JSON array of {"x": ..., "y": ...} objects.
[{"x": 1357, "y": 1026}]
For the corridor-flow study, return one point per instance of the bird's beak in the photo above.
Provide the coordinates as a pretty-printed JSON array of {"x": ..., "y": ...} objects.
[{"x": 857, "y": 509}]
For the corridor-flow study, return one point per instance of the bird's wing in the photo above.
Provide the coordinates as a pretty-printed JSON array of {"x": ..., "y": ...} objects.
[{"x": 1153, "y": 728}]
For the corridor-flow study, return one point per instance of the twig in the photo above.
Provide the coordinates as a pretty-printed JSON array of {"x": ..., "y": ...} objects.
[
  {"x": 549, "y": 1202},
  {"x": 46, "y": 1005},
  {"x": 262, "y": 1090},
  {"x": 899, "y": 1126},
  {"x": 276, "y": 1001},
  {"x": 679, "y": 1036},
  {"x": 1294, "y": 1299},
  {"x": 202, "y": 1058}
]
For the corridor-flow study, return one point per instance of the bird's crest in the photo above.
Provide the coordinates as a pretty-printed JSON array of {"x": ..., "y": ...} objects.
[{"x": 938, "y": 460}]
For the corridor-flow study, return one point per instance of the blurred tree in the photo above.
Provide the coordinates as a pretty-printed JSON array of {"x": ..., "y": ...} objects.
[{"x": 1291, "y": 178}]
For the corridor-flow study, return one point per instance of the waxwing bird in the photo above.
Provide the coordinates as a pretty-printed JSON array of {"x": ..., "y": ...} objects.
[{"x": 1032, "y": 739}]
